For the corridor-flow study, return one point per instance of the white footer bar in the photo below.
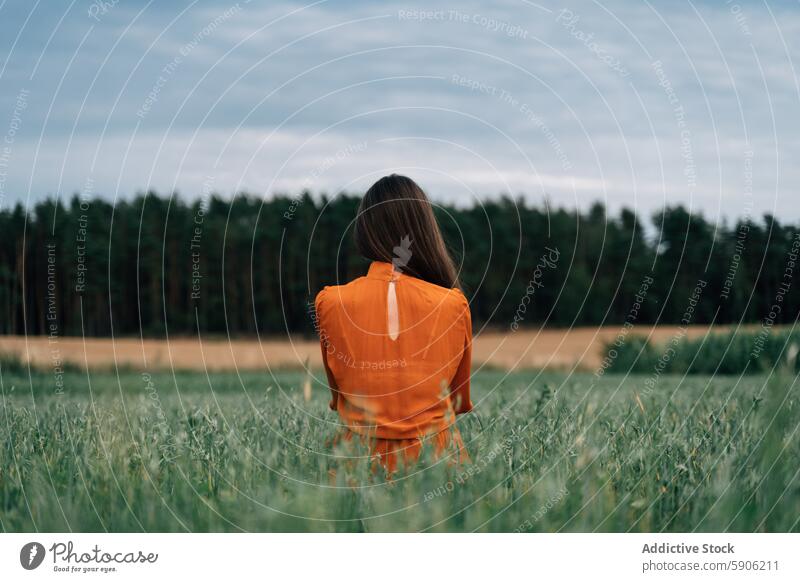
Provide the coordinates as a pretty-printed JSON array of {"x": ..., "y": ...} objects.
[{"x": 400, "y": 557}]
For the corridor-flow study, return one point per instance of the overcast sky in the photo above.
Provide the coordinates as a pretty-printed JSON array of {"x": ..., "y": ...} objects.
[{"x": 637, "y": 104}]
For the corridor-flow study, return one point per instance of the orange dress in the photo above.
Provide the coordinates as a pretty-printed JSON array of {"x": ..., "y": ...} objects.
[{"x": 397, "y": 352}]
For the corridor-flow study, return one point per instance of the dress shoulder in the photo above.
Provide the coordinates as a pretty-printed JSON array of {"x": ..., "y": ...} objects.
[
  {"x": 325, "y": 300},
  {"x": 330, "y": 296},
  {"x": 321, "y": 298},
  {"x": 459, "y": 299}
]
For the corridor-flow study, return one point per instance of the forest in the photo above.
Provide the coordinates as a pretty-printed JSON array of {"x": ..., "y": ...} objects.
[{"x": 156, "y": 265}]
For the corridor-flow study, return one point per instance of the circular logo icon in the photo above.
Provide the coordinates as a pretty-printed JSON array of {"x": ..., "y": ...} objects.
[{"x": 31, "y": 555}]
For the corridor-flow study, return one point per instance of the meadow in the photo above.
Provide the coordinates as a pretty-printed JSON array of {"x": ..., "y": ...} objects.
[{"x": 551, "y": 451}]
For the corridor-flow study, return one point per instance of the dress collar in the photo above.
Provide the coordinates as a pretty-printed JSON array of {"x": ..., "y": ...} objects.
[{"x": 381, "y": 270}]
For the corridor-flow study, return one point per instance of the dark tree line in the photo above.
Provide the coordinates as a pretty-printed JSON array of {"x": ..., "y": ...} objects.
[{"x": 244, "y": 265}]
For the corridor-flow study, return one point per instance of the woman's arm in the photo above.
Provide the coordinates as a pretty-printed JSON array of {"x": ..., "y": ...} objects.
[
  {"x": 459, "y": 387},
  {"x": 331, "y": 380},
  {"x": 324, "y": 342}
]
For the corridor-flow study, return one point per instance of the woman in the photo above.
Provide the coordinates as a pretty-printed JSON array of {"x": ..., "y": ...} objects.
[{"x": 397, "y": 343}]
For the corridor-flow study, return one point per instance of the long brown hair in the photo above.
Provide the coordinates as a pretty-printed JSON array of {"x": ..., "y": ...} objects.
[{"x": 396, "y": 224}]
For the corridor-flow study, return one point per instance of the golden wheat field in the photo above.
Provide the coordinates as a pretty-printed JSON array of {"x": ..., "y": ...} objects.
[{"x": 581, "y": 348}]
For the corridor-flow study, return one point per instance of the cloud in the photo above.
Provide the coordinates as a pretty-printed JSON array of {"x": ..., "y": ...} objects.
[{"x": 563, "y": 101}]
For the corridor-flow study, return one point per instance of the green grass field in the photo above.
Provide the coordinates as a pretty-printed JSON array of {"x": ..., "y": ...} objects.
[{"x": 550, "y": 452}]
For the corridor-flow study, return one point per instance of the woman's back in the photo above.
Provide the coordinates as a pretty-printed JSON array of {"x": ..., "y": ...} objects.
[{"x": 398, "y": 368}]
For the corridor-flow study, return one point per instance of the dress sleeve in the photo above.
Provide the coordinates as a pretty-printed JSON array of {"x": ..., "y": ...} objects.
[
  {"x": 324, "y": 341},
  {"x": 459, "y": 387}
]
